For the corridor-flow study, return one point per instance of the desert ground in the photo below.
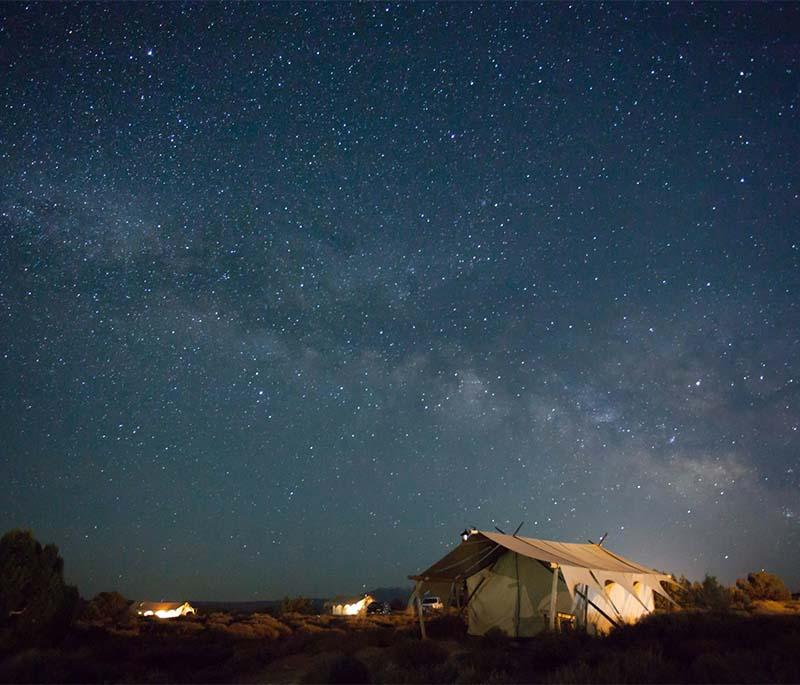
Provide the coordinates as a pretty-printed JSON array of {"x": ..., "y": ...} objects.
[{"x": 759, "y": 645}]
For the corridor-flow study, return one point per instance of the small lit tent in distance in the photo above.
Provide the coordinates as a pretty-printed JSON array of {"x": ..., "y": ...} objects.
[
  {"x": 351, "y": 606},
  {"x": 165, "y": 609}
]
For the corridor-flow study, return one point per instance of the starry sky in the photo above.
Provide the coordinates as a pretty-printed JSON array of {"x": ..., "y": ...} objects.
[{"x": 290, "y": 294}]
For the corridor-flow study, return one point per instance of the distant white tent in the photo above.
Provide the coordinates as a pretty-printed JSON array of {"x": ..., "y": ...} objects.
[
  {"x": 164, "y": 609},
  {"x": 524, "y": 585},
  {"x": 351, "y": 606}
]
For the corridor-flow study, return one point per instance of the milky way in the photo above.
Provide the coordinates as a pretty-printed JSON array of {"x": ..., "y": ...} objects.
[{"x": 291, "y": 294}]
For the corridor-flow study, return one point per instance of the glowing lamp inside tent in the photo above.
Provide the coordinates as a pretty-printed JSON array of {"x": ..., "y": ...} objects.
[
  {"x": 352, "y": 609},
  {"x": 165, "y": 609},
  {"x": 350, "y": 606},
  {"x": 165, "y": 613}
]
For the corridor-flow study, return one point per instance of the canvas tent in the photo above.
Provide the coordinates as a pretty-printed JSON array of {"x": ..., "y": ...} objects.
[
  {"x": 164, "y": 609},
  {"x": 524, "y": 585},
  {"x": 351, "y": 606}
]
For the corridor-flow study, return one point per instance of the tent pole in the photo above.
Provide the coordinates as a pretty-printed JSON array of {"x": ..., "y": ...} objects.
[
  {"x": 516, "y": 612},
  {"x": 554, "y": 598},
  {"x": 607, "y": 597},
  {"x": 419, "y": 610},
  {"x": 472, "y": 594},
  {"x": 586, "y": 607},
  {"x": 600, "y": 611}
]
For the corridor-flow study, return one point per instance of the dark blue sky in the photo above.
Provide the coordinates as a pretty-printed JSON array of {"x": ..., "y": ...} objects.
[{"x": 291, "y": 294}]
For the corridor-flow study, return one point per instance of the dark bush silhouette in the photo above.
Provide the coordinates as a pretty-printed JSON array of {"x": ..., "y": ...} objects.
[
  {"x": 398, "y": 604},
  {"x": 343, "y": 668},
  {"x": 297, "y": 605},
  {"x": 447, "y": 627},
  {"x": 413, "y": 653},
  {"x": 109, "y": 607},
  {"x": 709, "y": 594},
  {"x": 36, "y": 606},
  {"x": 763, "y": 585}
]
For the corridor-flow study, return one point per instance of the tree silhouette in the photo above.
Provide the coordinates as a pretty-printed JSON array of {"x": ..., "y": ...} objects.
[{"x": 36, "y": 606}]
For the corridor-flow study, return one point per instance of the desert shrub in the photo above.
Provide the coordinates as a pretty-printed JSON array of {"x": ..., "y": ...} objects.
[
  {"x": 48, "y": 666},
  {"x": 220, "y": 617},
  {"x": 679, "y": 591},
  {"x": 268, "y": 626},
  {"x": 705, "y": 647},
  {"x": 341, "y": 668},
  {"x": 495, "y": 637},
  {"x": 641, "y": 665},
  {"x": 257, "y": 626},
  {"x": 447, "y": 627},
  {"x": 548, "y": 651},
  {"x": 296, "y": 605},
  {"x": 240, "y": 630},
  {"x": 763, "y": 585},
  {"x": 36, "y": 606},
  {"x": 484, "y": 660},
  {"x": 413, "y": 653},
  {"x": 108, "y": 606},
  {"x": 709, "y": 594}
]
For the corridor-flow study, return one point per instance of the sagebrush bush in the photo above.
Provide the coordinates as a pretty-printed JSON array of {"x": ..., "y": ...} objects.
[
  {"x": 763, "y": 585},
  {"x": 695, "y": 646},
  {"x": 296, "y": 605},
  {"x": 447, "y": 627},
  {"x": 709, "y": 594},
  {"x": 408, "y": 653},
  {"x": 338, "y": 668},
  {"x": 109, "y": 607}
]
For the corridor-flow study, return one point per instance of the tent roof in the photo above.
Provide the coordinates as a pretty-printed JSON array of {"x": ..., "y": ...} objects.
[
  {"x": 483, "y": 548},
  {"x": 159, "y": 606}
]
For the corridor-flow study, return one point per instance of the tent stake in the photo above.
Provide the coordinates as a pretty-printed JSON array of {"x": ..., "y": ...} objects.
[{"x": 554, "y": 598}]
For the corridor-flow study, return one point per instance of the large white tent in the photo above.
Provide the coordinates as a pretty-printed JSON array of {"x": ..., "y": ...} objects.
[{"x": 523, "y": 585}]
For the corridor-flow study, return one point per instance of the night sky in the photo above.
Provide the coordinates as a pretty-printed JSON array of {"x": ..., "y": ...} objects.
[{"x": 291, "y": 294}]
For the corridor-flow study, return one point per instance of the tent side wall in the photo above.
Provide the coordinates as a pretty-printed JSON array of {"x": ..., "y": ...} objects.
[
  {"x": 616, "y": 599},
  {"x": 514, "y": 596}
]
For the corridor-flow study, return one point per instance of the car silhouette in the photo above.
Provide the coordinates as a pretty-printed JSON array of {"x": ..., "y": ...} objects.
[
  {"x": 431, "y": 603},
  {"x": 378, "y": 608}
]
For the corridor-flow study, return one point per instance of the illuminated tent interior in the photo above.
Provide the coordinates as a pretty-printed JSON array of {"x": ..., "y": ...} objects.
[
  {"x": 351, "y": 606},
  {"x": 165, "y": 609},
  {"x": 524, "y": 585}
]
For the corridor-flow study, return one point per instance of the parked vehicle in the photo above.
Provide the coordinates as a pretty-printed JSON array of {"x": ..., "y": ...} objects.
[
  {"x": 431, "y": 603},
  {"x": 378, "y": 608}
]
